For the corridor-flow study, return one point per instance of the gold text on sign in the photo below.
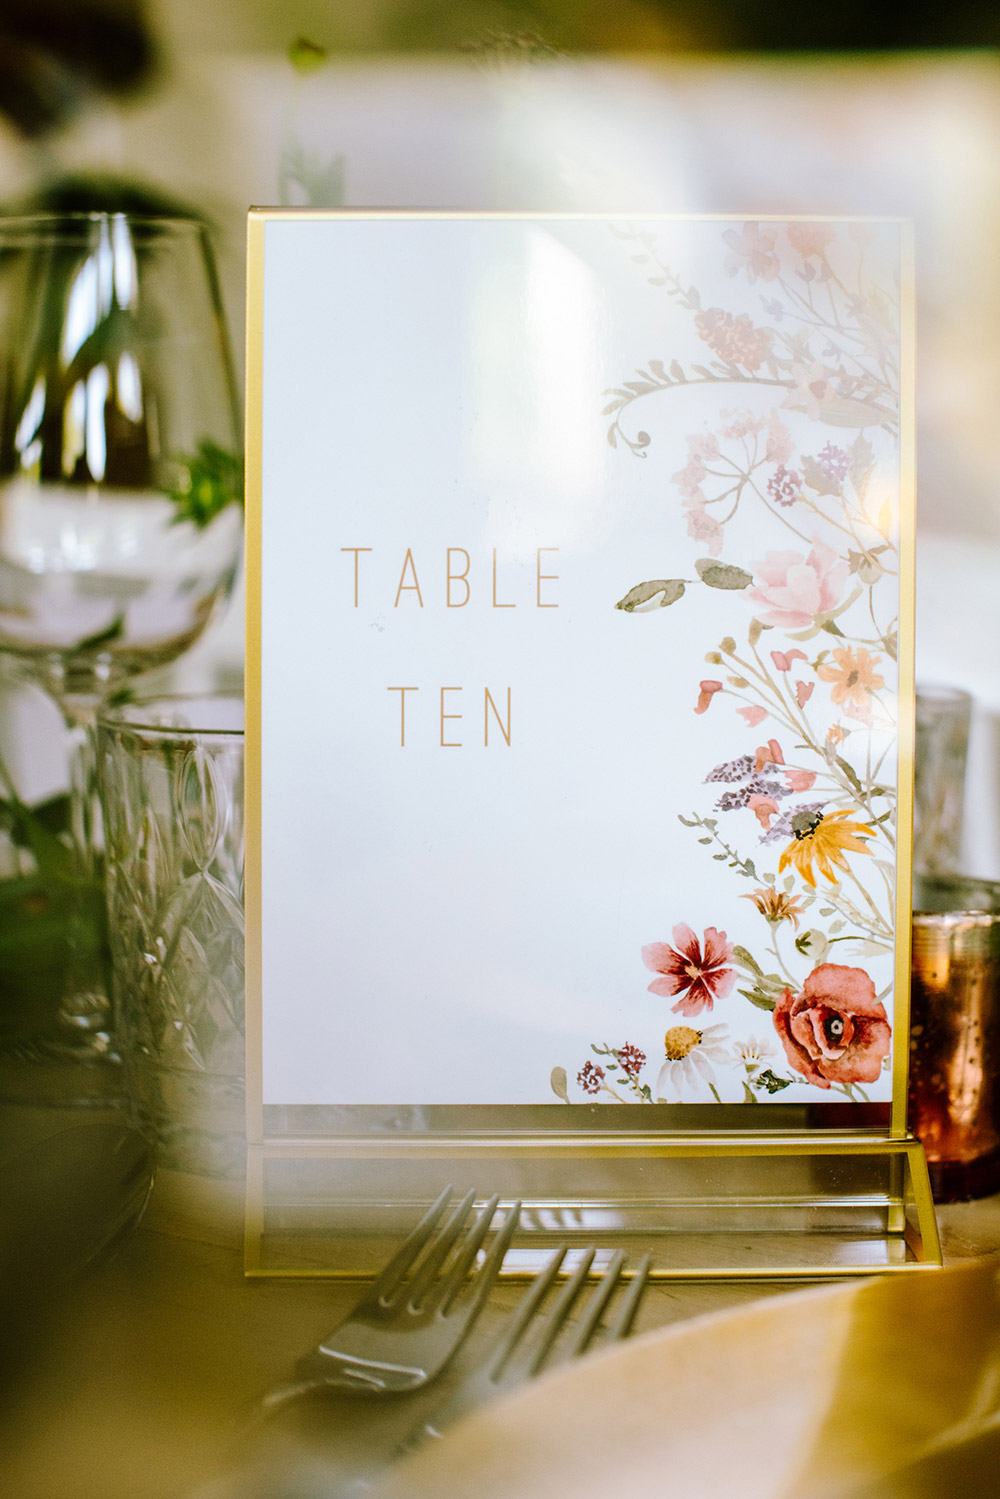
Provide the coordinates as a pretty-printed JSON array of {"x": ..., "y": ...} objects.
[
  {"x": 450, "y": 718},
  {"x": 459, "y": 577}
]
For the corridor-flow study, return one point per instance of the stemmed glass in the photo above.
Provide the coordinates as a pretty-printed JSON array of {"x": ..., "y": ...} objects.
[{"x": 120, "y": 497}]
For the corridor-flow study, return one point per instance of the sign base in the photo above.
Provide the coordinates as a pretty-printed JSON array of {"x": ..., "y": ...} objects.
[{"x": 735, "y": 1207}]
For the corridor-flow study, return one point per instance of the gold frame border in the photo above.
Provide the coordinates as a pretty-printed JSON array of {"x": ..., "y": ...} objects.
[
  {"x": 906, "y": 691},
  {"x": 907, "y": 1151},
  {"x": 252, "y": 772}
]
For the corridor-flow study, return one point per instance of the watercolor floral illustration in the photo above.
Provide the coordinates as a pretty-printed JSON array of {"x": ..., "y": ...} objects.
[{"x": 798, "y": 445}]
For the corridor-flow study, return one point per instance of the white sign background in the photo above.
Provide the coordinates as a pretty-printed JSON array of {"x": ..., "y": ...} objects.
[{"x": 448, "y": 923}]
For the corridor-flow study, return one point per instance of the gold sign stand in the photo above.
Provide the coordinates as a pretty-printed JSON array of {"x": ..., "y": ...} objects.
[
  {"x": 762, "y": 1203},
  {"x": 715, "y": 1206}
]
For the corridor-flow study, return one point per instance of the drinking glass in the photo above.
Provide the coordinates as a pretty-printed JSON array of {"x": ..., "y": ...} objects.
[
  {"x": 942, "y": 744},
  {"x": 171, "y": 778},
  {"x": 954, "y": 1088},
  {"x": 120, "y": 497}
]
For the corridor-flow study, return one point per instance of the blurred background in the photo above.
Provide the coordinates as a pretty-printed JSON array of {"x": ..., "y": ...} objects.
[{"x": 741, "y": 107}]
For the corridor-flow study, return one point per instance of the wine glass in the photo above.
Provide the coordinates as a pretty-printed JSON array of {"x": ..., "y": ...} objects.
[{"x": 120, "y": 501}]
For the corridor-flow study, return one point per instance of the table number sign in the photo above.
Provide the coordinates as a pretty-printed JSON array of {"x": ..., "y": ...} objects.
[{"x": 579, "y": 675}]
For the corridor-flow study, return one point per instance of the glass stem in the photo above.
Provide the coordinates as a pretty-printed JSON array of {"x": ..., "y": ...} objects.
[{"x": 86, "y": 1009}]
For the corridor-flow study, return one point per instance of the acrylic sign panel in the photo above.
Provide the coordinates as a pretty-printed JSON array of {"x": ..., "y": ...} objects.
[{"x": 580, "y": 603}]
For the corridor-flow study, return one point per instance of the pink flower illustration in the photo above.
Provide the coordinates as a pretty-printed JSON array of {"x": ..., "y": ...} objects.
[
  {"x": 779, "y": 441},
  {"x": 763, "y": 808},
  {"x": 785, "y": 486},
  {"x": 753, "y": 715},
  {"x": 706, "y": 692},
  {"x": 768, "y": 754},
  {"x": 794, "y": 589},
  {"x": 783, "y": 659},
  {"x": 734, "y": 339},
  {"x": 704, "y": 445},
  {"x": 810, "y": 239},
  {"x": 631, "y": 1059},
  {"x": 803, "y": 692},
  {"x": 834, "y": 464},
  {"x": 590, "y": 1077},
  {"x": 813, "y": 386},
  {"x": 754, "y": 247},
  {"x": 703, "y": 527},
  {"x": 742, "y": 424},
  {"x": 688, "y": 479},
  {"x": 696, "y": 971}
]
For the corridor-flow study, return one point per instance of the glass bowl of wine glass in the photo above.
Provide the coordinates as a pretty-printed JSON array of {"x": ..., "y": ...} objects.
[{"x": 121, "y": 487}]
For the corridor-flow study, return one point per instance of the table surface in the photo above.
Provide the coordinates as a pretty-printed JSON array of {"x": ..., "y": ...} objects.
[{"x": 140, "y": 1380}]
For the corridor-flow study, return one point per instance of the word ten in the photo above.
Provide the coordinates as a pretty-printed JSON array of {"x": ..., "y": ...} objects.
[{"x": 448, "y": 718}]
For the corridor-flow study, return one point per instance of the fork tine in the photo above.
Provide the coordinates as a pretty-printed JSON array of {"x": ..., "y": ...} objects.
[
  {"x": 448, "y": 1287},
  {"x": 440, "y": 1248},
  {"x": 598, "y": 1300},
  {"x": 560, "y": 1310},
  {"x": 493, "y": 1263},
  {"x": 622, "y": 1325},
  {"x": 408, "y": 1251},
  {"x": 526, "y": 1309}
]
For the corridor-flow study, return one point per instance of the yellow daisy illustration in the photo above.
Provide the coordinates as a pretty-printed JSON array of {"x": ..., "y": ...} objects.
[{"x": 823, "y": 838}]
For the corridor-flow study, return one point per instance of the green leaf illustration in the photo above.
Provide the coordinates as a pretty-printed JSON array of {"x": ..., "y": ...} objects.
[
  {"x": 862, "y": 463},
  {"x": 867, "y": 566},
  {"x": 559, "y": 1083},
  {"x": 671, "y": 589},
  {"x": 841, "y": 411},
  {"x": 851, "y": 775},
  {"x": 744, "y": 959},
  {"x": 767, "y": 1079},
  {"x": 757, "y": 997},
  {"x": 722, "y": 575},
  {"x": 816, "y": 479}
]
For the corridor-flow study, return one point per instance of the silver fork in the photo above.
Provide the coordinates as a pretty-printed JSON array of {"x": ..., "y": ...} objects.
[
  {"x": 501, "y": 1369},
  {"x": 402, "y": 1333}
]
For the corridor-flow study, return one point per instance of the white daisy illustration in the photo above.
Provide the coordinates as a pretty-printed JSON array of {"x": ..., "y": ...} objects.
[
  {"x": 689, "y": 1057},
  {"x": 753, "y": 1051}
]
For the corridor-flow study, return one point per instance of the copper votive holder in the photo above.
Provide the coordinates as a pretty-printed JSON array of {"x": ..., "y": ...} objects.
[{"x": 954, "y": 1088}]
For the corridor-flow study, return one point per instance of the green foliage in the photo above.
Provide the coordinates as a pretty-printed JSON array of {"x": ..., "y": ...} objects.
[
  {"x": 765, "y": 988},
  {"x": 306, "y": 56},
  {"x": 38, "y": 913},
  {"x": 207, "y": 481}
]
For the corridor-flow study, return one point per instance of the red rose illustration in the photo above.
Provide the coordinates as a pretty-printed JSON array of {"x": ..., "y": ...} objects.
[{"x": 835, "y": 1031}]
